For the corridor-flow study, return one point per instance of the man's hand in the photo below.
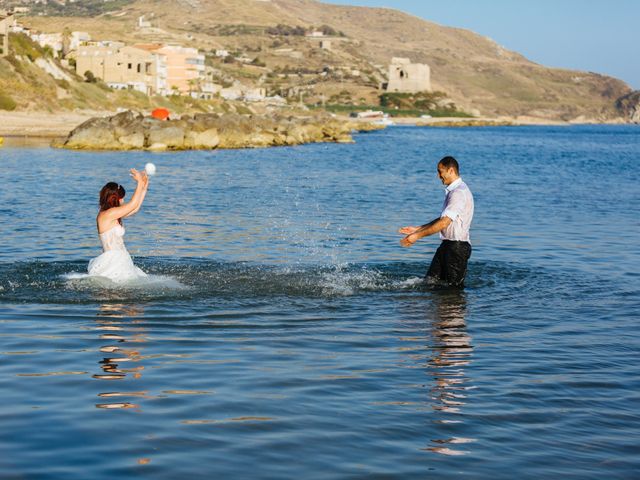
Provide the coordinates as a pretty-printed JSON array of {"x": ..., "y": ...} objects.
[
  {"x": 408, "y": 230},
  {"x": 409, "y": 240}
]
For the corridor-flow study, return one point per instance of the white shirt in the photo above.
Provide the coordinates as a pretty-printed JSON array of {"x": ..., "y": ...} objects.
[{"x": 458, "y": 206}]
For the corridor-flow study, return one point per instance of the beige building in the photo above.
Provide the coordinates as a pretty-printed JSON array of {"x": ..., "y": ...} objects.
[
  {"x": 407, "y": 77},
  {"x": 148, "y": 68},
  {"x": 139, "y": 69},
  {"x": 185, "y": 68},
  {"x": 7, "y": 21},
  {"x": 123, "y": 67},
  {"x": 99, "y": 58}
]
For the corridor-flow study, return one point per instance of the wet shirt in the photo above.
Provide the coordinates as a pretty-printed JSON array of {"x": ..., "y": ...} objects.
[{"x": 458, "y": 206}]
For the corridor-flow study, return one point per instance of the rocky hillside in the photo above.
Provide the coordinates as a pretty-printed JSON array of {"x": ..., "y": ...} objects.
[
  {"x": 629, "y": 106},
  {"x": 477, "y": 74}
]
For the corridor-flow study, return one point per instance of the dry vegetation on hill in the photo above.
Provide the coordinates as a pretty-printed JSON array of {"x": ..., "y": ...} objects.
[{"x": 473, "y": 71}]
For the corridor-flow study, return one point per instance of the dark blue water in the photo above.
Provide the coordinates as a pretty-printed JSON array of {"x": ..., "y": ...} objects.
[{"x": 294, "y": 338}]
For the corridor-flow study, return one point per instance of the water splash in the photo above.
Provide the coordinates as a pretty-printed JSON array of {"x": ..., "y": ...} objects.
[{"x": 59, "y": 282}]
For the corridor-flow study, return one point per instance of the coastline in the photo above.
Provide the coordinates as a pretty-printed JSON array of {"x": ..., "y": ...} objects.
[
  {"x": 48, "y": 125},
  {"x": 496, "y": 121}
]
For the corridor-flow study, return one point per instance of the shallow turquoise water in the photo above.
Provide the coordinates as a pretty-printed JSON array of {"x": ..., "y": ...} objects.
[{"x": 295, "y": 339}]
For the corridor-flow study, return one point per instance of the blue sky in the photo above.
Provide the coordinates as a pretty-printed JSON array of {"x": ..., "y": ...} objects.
[{"x": 595, "y": 35}]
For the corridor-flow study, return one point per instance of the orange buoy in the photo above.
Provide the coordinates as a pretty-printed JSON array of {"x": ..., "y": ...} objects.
[{"x": 160, "y": 113}]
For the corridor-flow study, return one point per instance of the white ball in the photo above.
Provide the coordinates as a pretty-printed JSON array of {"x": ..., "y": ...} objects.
[{"x": 150, "y": 168}]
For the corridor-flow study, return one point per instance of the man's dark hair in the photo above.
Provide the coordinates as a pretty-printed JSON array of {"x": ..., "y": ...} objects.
[{"x": 450, "y": 162}]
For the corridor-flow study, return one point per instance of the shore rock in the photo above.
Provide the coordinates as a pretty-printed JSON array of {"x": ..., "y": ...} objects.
[
  {"x": 134, "y": 141},
  {"x": 629, "y": 106},
  {"x": 171, "y": 136},
  {"x": 133, "y": 131}
]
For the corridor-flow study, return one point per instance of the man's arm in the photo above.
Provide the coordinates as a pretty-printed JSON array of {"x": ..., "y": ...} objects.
[{"x": 416, "y": 233}]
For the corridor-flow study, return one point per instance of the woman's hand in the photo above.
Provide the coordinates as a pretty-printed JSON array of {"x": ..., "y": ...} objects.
[{"x": 139, "y": 176}]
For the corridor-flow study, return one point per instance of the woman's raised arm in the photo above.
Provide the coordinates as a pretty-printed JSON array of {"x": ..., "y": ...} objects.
[{"x": 135, "y": 203}]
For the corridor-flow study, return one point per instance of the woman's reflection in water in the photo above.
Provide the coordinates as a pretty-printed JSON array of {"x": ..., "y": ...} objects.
[
  {"x": 115, "y": 321},
  {"x": 451, "y": 353}
]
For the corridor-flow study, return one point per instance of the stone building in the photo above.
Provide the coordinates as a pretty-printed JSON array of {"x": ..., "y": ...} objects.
[{"x": 407, "y": 77}]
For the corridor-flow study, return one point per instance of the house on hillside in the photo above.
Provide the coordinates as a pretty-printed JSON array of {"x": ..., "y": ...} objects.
[
  {"x": 122, "y": 67},
  {"x": 153, "y": 68},
  {"x": 185, "y": 68},
  {"x": 241, "y": 92},
  {"x": 52, "y": 40},
  {"x": 99, "y": 58},
  {"x": 407, "y": 77},
  {"x": 77, "y": 39},
  {"x": 139, "y": 69},
  {"x": 143, "y": 23}
]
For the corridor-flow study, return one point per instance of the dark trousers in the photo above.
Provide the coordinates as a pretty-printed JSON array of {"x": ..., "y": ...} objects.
[{"x": 449, "y": 264}]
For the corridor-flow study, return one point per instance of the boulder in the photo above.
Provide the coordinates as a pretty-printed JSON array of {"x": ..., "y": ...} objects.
[
  {"x": 262, "y": 139},
  {"x": 207, "y": 139},
  {"x": 204, "y": 121},
  {"x": 134, "y": 141},
  {"x": 234, "y": 139},
  {"x": 170, "y": 136},
  {"x": 94, "y": 134}
]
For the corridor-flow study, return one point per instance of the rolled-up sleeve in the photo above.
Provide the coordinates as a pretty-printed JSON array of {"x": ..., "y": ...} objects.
[{"x": 454, "y": 205}]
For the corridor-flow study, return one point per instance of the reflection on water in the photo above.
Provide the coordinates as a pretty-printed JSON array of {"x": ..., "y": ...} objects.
[
  {"x": 451, "y": 354},
  {"x": 116, "y": 322}
]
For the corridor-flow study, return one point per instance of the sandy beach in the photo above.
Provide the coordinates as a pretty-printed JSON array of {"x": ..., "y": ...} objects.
[{"x": 43, "y": 124}]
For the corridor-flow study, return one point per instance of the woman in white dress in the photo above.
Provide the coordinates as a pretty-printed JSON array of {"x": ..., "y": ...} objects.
[{"x": 115, "y": 262}]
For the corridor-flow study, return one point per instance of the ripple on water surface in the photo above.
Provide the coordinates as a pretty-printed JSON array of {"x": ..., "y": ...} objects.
[{"x": 283, "y": 333}]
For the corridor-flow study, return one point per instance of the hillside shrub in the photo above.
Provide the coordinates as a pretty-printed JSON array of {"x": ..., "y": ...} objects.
[
  {"x": 89, "y": 77},
  {"x": 21, "y": 45},
  {"x": 425, "y": 101},
  {"x": 6, "y": 102},
  {"x": 286, "y": 30}
]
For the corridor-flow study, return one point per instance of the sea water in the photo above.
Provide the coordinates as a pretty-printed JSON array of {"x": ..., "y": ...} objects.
[{"x": 284, "y": 333}]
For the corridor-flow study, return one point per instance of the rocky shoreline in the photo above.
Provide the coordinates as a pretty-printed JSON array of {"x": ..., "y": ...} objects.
[{"x": 133, "y": 131}]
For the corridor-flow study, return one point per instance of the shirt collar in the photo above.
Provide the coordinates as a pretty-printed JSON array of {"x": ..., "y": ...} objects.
[{"x": 454, "y": 184}]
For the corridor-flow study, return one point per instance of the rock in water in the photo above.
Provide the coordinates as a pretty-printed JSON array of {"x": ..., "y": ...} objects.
[{"x": 133, "y": 131}]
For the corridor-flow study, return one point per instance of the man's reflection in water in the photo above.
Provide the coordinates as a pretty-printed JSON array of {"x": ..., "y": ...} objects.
[
  {"x": 451, "y": 353},
  {"x": 116, "y": 320}
]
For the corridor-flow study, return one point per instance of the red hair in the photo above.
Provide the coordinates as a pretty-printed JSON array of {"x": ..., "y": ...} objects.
[{"x": 110, "y": 196}]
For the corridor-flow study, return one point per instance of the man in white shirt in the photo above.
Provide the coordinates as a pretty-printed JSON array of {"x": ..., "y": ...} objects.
[{"x": 449, "y": 264}]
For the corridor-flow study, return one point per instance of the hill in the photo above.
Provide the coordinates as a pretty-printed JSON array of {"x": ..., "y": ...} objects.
[
  {"x": 31, "y": 79},
  {"x": 475, "y": 73}
]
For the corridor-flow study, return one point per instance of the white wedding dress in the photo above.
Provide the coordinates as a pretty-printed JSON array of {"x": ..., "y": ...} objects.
[{"x": 115, "y": 262}]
